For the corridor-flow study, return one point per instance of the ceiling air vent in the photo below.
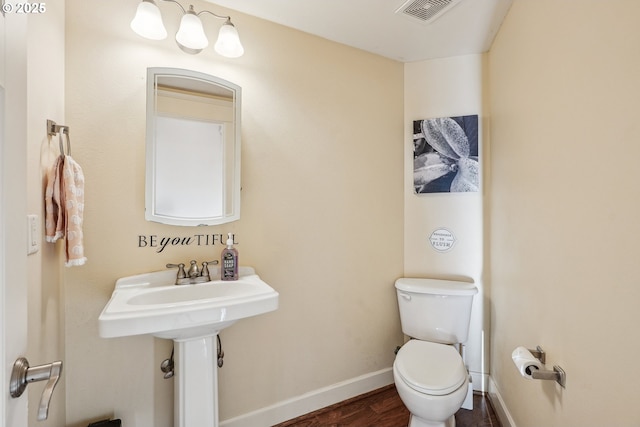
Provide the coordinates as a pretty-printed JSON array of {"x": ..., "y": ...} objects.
[{"x": 426, "y": 11}]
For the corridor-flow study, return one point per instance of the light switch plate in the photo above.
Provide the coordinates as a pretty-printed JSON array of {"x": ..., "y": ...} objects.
[{"x": 33, "y": 234}]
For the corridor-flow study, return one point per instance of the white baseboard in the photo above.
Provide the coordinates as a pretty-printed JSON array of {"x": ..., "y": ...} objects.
[
  {"x": 498, "y": 405},
  {"x": 312, "y": 401},
  {"x": 326, "y": 396},
  {"x": 479, "y": 381}
]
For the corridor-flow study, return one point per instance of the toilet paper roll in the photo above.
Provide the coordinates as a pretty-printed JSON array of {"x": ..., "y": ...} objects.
[{"x": 525, "y": 362}]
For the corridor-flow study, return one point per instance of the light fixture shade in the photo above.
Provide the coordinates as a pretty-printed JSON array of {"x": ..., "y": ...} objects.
[
  {"x": 148, "y": 21},
  {"x": 191, "y": 34},
  {"x": 228, "y": 43}
]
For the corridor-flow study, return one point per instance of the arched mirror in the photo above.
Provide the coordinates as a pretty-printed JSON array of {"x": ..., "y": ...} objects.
[{"x": 193, "y": 148}]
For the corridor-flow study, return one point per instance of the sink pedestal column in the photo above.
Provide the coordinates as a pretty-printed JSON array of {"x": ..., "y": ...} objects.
[{"x": 196, "y": 382}]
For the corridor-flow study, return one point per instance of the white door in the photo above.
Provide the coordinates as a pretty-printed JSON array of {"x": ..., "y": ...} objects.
[{"x": 13, "y": 211}]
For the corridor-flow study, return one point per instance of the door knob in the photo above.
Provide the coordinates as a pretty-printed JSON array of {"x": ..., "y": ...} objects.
[{"x": 22, "y": 374}]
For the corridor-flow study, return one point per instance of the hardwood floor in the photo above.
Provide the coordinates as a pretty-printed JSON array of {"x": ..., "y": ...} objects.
[{"x": 383, "y": 408}]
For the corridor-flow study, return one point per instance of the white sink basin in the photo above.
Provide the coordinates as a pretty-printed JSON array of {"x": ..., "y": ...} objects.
[{"x": 152, "y": 304}]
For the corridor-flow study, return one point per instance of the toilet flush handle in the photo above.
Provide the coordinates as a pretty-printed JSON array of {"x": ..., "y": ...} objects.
[{"x": 405, "y": 296}]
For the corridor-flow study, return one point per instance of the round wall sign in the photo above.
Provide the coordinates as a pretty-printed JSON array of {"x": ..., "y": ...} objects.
[{"x": 442, "y": 240}]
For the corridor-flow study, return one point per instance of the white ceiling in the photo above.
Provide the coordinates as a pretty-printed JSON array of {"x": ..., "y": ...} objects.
[{"x": 372, "y": 25}]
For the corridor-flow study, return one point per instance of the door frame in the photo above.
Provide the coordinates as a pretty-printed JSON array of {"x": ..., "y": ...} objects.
[{"x": 13, "y": 210}]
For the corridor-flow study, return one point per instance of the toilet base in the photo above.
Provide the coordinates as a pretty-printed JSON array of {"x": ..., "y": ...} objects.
[{"x": 419, "y": 422}]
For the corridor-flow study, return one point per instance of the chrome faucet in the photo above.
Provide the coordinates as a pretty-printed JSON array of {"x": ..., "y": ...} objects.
[{"x": 195, "y": 274}]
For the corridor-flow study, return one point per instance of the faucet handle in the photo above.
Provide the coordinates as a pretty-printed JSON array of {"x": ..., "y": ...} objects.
[
  {"x": 180, "y": 267},
  {"x": 205, "y": 269},
  {"x": 206, "y": 263}
]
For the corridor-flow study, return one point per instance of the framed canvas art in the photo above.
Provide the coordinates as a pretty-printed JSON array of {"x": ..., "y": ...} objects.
[{"x": 445, "y": 155}]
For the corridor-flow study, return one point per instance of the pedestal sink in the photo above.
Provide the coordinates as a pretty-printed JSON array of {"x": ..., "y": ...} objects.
[{"x": 192, "y": 316}]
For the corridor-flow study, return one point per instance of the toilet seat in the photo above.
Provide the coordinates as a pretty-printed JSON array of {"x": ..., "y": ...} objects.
[{"x": 430, "y": 368}]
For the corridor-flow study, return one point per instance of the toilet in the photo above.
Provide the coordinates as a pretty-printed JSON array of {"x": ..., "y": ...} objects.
[{"x": 429, "y": 373}]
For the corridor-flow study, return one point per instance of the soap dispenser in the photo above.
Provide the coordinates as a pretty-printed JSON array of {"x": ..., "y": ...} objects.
[{"x": 229, "y": 261}]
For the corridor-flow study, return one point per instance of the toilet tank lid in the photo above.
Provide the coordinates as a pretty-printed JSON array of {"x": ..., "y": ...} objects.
[{"x": 436, "y": 286}]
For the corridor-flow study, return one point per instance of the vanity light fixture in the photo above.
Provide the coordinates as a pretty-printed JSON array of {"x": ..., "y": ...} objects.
[{"x": 190, "y": 36}]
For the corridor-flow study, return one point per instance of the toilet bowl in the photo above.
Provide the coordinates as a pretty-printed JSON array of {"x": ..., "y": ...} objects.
[
  {"x": 432, "y": 382},
  {"x": 429, "y": 373}
]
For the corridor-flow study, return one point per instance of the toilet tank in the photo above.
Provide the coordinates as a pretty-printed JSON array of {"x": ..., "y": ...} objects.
[{"x": 435, "y": 310}]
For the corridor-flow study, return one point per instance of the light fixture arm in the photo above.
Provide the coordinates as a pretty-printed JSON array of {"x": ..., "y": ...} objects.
[
  {"x": 191, "y": 9},
  {"x": 179, "y": 5},
  {"x": 228, "y": 18}
]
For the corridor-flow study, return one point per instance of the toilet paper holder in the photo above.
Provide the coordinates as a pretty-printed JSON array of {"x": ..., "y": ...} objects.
[
  {"x": 539, "y": 354},
  {"x": 557, "y": 374}
]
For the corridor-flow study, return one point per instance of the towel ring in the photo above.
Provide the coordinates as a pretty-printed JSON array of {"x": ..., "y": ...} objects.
[
  {"x": 65, "y": 132},
  {"x": 55, "y": 129}
]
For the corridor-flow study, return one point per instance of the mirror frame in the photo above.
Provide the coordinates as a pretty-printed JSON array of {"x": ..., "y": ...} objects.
[{"x": 150, "y": 186}]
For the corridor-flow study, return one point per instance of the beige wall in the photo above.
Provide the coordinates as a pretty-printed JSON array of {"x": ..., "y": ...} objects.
[
  {"x": 444, "y": 88},
  {"x": 564, "y": 230},
  {"x": 322, "y": 212}
]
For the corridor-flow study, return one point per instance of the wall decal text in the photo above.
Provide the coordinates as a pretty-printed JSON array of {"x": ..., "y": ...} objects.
[
  {"x": 442, "y": 240},
  {"x": 160, "y": 243}
]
